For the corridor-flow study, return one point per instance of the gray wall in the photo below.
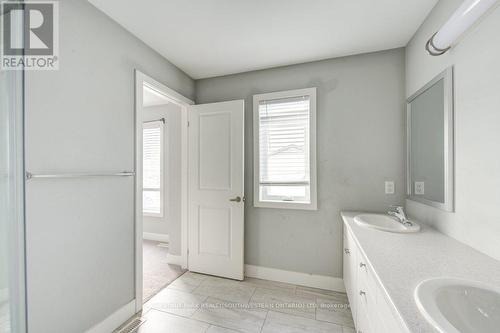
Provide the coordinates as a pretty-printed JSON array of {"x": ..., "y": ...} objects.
[
  {"x": 80, "y": 233},
  {"x": 170, "y": 223},
  {"x": 476, "y": 220},
  {"x": 360, "y": 145}
]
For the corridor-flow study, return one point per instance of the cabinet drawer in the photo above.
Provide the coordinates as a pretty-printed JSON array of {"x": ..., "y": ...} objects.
[
  {"x": 350, "y": 270},
  {"x": 366, "y": 278},
  {"x": 366, "y": 309},
  {"x": 347, "y": 276}
]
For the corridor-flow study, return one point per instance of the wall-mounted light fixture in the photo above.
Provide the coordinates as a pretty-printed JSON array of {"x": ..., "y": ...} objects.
[{"x": 463, "y": 18}]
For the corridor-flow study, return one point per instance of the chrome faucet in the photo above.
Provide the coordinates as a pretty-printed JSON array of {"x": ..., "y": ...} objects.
[{"x": 399, "y": 213}]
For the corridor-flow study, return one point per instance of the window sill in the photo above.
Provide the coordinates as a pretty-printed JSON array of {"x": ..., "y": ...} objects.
[
  {"x": 286, "y": 205},
  {"x": 152, "y": 215}
]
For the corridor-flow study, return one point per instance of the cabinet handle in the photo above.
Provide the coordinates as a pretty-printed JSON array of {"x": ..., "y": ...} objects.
[
  {"x": 346, "y": 251},
  {"x": 362, "y": 265},
  {"x": 362, "y": 293}
]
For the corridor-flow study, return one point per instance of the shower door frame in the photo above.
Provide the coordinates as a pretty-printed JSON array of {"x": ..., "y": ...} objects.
[{"x": 15, "y": 181}]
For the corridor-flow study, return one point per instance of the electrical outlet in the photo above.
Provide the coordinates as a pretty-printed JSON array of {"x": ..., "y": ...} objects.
[
  {"x": 389, "y": 187},
  {"x": 419, "y": 188}
]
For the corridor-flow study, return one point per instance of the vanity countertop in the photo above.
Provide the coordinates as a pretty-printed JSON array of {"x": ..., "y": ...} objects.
[{"x": 402, "y": 261}]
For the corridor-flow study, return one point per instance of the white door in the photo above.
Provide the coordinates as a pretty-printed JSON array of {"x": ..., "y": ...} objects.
[{"x": 216, "y": 162}]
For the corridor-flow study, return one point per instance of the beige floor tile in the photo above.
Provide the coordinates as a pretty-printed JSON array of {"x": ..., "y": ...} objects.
[
  {"x": 187, "y": 282},
  {"x": 308, "y": 291},
  {"x": 225, "y": 289},
  {"x": 201, "y": 303},
  {"x": 340, "y": 299},
  {"x": 176, "y": 302},
  {"x": 230, "y": 315},
  {"x": 161, "y": 322},
  {"x": 218, "y": 329},
  {"x": 286, "y": 302},
  {"x": 346, "y": 329},
  {"x": 334, "y": 311},
  {"x": 284, "y": 323}
]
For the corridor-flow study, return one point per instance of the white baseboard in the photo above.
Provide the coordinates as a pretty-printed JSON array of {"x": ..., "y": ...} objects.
[
  {"x": 115, "y": 320},
  {"x": 174, "y": 259},
  {"x": 4, "y": 294},
  {"x": 301, "y": 279},
  {"x": 155, "y": 237}
]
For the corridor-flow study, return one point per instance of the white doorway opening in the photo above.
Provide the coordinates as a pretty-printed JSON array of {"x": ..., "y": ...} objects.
[
  {"x": 161, "y": 186},
  {"x": 204, "y": 181}
]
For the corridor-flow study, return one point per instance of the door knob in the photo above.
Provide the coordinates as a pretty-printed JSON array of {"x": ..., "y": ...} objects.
[{"x": 237, "y": 199}]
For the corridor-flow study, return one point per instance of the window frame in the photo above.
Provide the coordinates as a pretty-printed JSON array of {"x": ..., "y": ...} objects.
[
  {"x": 161, "y": 126},
  {"x": 311, "y": 93}
]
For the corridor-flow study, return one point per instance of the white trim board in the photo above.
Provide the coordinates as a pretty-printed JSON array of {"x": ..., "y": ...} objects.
[
  {"x": 115, "y": 320},
  {"x": 155, "y": 237},
  {"x": 301, "y": 279},
  {"x": 174, "y": 259}
]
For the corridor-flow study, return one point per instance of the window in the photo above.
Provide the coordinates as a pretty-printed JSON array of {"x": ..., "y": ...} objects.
[
  {"x": 285, "y": 149},
  {"x": 152, "y": 166}
]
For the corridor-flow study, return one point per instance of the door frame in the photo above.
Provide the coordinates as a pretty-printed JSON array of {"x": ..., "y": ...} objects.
[
  {"x": 15, "y": 182},
  {"x": 142, "y": 79}
]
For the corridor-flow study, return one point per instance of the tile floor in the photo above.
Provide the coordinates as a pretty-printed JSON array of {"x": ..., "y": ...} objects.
[{"x": 206, "y": 304}]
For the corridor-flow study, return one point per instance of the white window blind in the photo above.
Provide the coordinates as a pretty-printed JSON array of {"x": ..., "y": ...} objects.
[
  {"x": 284, "y": 149},
  {"x": 152, "y": 168}
]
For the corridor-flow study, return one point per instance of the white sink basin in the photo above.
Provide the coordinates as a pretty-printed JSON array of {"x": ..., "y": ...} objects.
[
  {"x": 385, "y": 223},
  {"x": 459, "y": 306}
]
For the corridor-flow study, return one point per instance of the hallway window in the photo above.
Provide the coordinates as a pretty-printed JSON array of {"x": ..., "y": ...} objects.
[
  {"x": 285, "y": 149},
  {"x": 152, "y": 165}
]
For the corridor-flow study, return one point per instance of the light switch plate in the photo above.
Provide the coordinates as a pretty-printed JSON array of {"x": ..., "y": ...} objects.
[
  {"x": 389, "y": 187},
  {"x": 419, "y": 188}
]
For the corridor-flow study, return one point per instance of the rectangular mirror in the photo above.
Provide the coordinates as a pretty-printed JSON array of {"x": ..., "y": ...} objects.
[{"x": 430, "y": 143}]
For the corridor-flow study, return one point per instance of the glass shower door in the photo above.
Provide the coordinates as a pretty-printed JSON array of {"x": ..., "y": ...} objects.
[{"x": 12, "y": 263}]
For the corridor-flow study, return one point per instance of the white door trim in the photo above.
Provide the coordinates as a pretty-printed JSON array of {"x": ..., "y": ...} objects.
[
  {"x": 156, "y": 237},
  {"x": 178, "y": 99}
]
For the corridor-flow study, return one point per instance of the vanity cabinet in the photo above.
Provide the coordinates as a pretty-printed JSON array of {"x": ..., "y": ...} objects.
[
  {"x": 350, "y": 270},
  {"x": 371, "y": 309}
]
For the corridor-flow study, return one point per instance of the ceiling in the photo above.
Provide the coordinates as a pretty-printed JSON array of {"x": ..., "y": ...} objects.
[{"x": 207, "y": 38}]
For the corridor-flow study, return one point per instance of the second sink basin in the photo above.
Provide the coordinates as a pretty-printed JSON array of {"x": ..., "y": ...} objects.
[
  {"x": 459, "y": 306},
  {"x": 385, "y": 223}
]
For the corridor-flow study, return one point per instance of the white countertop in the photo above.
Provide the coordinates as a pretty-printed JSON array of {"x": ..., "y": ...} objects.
[{"x": 402, "y": 261}]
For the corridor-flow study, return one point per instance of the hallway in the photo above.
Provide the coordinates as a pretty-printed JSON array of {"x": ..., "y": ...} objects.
[{"x": 157, "y": 272}]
